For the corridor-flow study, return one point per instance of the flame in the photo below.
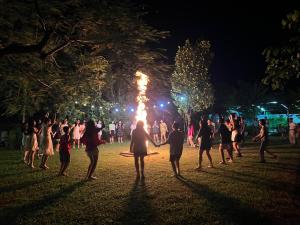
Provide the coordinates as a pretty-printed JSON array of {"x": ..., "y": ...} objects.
[{"x": 141, "y": 113}]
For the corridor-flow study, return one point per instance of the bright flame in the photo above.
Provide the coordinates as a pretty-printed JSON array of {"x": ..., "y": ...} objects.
[{"x": 141, "y": 113}]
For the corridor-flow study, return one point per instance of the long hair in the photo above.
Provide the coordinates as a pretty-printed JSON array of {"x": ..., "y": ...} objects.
[
  {"x": 90, "y": 127},
  {"x": 140, "y": 125}
]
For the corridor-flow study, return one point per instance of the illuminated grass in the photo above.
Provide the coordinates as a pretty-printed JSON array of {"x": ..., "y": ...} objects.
[{"x": 245, "y": 192}]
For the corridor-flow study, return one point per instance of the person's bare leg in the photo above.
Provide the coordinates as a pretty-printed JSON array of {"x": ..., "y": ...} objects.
[
  {"x": 45, "y": 161},
  {"x": 209, "y": 158},
  {"x": 178, "y": 167},
  {"x": 90, "y": 166},
  {"x": 174, "y": 167},
  {"x": 25, "y": 158},
  {"x": 32, "y": 159},
  {"x": 229, "y": 155},
  {"x": 66, "y": 164},
  {"x": 142, "y": 166},
  {"x": 136, "y": 164},
  {"x": 222, "y": 154},
  {"x": 200, "y": 159},
  {"x": 94, "y": 165}
]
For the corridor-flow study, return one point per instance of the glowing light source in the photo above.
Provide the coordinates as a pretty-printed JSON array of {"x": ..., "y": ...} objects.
[
  {"x": 161, "y": 105},
  {"x": 93, "y": 106},
  {"x": 117, "y": 110},
  {"x": 132, "y": 110},
  {"x": 141, "y": 113},
  {"x": 168, "y": 103},
  {"x": 154, "y": 106}
]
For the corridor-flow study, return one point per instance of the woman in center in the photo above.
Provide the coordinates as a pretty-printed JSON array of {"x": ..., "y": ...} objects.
[{"x": 138, "y": 146}]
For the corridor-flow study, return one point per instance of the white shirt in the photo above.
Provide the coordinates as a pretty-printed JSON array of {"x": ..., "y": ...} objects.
[{"x": 112, "y": 126}]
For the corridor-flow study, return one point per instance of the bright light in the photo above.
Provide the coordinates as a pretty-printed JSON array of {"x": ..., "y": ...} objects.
[
  {"x": 84, "y": 104},
  {"x": 93, "y": 106},
  {"x": 182, "y": 98},
  {"x": 262, "y": 109},
  {"x": 284, "y": 106},
  {"x": 76, "y": 102},
  {"x": 141, "y": 113},
  {"x": 100, "y": 107},
  {"x": 154, "y": 106},
  {"x": 124, "y": 109},
  {"x": 117, "y": 110},
  {"x": 168, "y": 102},
  {"x": 132, "y": 110},
  {"x": 161, "y": 105},
  {"x": 274, "y": 102}
]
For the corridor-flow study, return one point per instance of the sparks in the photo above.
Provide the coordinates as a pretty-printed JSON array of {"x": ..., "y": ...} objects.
[{"x": 141, "y": 113}]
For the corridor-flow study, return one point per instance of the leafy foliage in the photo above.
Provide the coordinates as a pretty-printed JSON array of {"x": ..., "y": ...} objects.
[
  {"x": 283, "y": 62},
  {"x": 191, "y": 87},
  {"x": 56, "y": 53}
]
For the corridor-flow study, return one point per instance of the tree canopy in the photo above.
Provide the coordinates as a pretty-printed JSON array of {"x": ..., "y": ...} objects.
[{"x": 56, "y": 53}]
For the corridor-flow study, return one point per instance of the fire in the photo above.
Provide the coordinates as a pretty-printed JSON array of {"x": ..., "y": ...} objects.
[{"x": 141, "y": 113}]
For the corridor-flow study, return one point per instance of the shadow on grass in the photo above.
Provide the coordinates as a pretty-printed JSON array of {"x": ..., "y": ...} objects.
[
  {"x": 138, "y": 209},
  {"x": 18, "y": 186},
  {"x": 230, "y": 210},
  {"x": 12, "y": 215}
]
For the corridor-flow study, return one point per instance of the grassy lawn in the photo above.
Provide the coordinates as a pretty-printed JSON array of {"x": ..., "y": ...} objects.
[{"x": 245, "y": 192}]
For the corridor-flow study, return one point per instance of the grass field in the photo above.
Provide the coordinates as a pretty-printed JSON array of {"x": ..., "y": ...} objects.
[{"x": 245, "y": 192}]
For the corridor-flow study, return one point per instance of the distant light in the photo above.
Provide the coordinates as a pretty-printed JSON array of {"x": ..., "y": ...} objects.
[
  {"x": 132, "y": 110},
  {"x": 274, "y": 102},
  {"x": 182, "y": 98},
  {"x": 168, "y": 102},
  {"x": 100, "y": 107},
  {"x": 93, "y": 106},
  {"x": 284, "y": 106},
  {"x": 262, "y": 109},
  {"x": 124, "y": 109},
  {"x": 76, "y": 102},
  {"x": 84, "y": 104},
  {"x": 161, "y": 105},
  {"x": 117, "y": 110},
  {"x": 154, "y": 106}
]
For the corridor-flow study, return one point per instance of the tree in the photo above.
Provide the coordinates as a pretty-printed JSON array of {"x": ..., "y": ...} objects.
[
  {"x": 66, "y": 51},
  {"x": 191, "y": 87},
  {"x": 283, "y": 62}
]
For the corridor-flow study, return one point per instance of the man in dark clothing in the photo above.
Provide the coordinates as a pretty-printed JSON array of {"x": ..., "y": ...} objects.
[{"x": 225, "y": 135}]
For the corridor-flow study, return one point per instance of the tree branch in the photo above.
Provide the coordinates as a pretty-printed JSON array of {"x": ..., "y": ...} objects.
[
  {"x": 56, "y": 49},
  {"x": 18, "y": 48}
]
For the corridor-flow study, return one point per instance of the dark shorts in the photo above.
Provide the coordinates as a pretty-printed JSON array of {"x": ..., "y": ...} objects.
[
  {"x": 225, "y": 145},
  {"x": 93, "y": 152},
  {"x": 263, "y": 146},
  {"x": 64, "y": 156},
  {"x": 112, "y": 133},
  {"x": 205, "y": 146},
  {"x": 175, "y": 157}
]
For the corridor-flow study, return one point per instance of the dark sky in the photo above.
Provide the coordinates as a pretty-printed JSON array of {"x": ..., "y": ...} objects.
[{"x": 238, "y": 31}]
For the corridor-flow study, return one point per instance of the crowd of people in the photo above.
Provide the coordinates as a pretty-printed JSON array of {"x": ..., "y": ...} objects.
[{"x": 45, "y": 136}]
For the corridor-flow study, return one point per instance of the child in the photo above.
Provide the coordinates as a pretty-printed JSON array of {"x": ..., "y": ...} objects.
[
  {"x": 205, "y": 136},
  {"x": 263, "y": 137},
  {"x": 91, "y": 140},
  {"x": 138, "y": 146},
  {"x": 64, "y": 151},
  {"x": 34, "y": 146},
  {"x": 175, "y": 139}
]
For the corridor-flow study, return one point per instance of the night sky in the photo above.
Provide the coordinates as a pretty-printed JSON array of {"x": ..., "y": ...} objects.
[{"x": 238, "y": 31}]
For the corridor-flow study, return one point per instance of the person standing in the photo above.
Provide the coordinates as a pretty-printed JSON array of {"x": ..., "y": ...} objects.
[
  {"x": 155, "y": 130},
  {"x": 56, "y": 135},
  {"x": 205, "y": 136},
  {"x": 225, "y": 136},
  {"x": 132, "y": 127},
  {"x": 176, "y": 140},
  {"x": 298, "y": 132},
  {"x": 25, "y": 141},
  {"x": 263, "y": 136},
  {"x": 99, "y": 125},
  {"x": 76, "y": 134},
  {"x": 292, "y": 132},
  {"x": 112, "y": 131},
  {"x": 190, "y": 134},
  {"x": 139, "y": 148},
  {"x": 64, "y": 151},
  {"x": 120, "y": 131},
  {"x": 163, "y": 131},
  {"x": 47, "y": 145},
  {"x": 91, "y": 141},
  {"x": 34, "y": 146}
]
